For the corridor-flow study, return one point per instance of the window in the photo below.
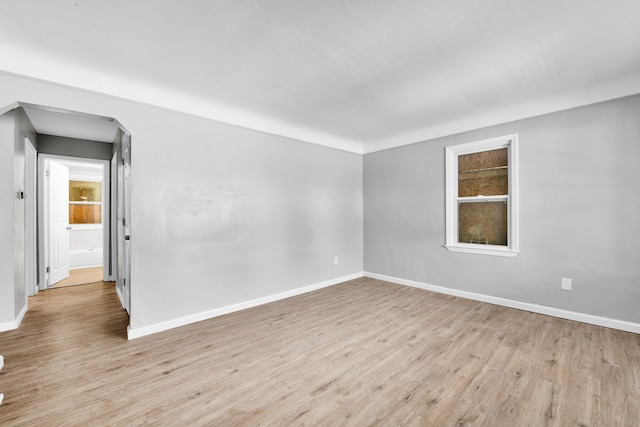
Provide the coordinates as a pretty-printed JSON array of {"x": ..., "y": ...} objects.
[
  {"x": 85, "y": 202},
  {"x": 481, "y": 196}
]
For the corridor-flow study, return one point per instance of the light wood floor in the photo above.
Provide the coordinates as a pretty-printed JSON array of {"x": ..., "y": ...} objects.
[
  {"x": 361, "y": 353},
  {"x": 81, "y": 276}
]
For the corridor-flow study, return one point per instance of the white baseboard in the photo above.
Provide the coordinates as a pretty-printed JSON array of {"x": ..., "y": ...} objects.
[
  {"x": 535, "y": 308},
  {"x": 120, "y": 296},
  {"x": 197, "y": 317},
  {"x": 85, "y": 266},
  {"x": 21, "y": 315},
  {"x": 622, "y": 325},
  {"x": 8, "y": 326},
  {"x": 14, "y": 324}
]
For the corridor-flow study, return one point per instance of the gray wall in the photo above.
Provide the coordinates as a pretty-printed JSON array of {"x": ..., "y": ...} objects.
[
  {"x": 220, "y": 214},
  {"x": 24, "y": 129},
  {"x": 579, "y": 213},
  {"x": 14, "y": 127},
  {"x": 61, "y": 146},
  {"x": 8, "y": 196}
]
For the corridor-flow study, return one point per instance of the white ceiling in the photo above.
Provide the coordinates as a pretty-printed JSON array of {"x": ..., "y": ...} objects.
[
  {"x": 360, "y": 75},
  {"x": 70, "y": 125}
]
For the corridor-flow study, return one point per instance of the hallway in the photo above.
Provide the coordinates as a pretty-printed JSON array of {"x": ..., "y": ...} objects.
[{"x": 54, "y": 352}]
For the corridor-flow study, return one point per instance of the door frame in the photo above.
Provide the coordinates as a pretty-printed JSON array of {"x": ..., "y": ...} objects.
[
  {"x": 31, "y": 222},
  {"x": 43, "y": 232},
  {"x": 123, "y": 218}
]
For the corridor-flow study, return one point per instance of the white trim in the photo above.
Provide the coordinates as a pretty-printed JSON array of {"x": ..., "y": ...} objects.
[
  {"x": 484, "y": 144},
  {"x": 43, "y": 276},
  {"x": 111, "y": 266},
  {"x": 14, "y": 324},
  {"x": 120, "y": 297},
  {"x": 484, "y": 250},
  {"x": 622, "y": 325},
  {"x": 31, "y": 222},
  {"x": 505, "y": 302},
  {"x": 451, "y": 191},
  {"x": 85, "y": 266},
  {"x": 197, "y": 317}
]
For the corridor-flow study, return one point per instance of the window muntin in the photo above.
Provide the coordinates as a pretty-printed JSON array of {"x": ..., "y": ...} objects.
[{"x": 481, "y": 197}]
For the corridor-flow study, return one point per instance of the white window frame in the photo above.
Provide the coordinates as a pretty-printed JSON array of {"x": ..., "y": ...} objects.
[{"x": 511, "y": 143}]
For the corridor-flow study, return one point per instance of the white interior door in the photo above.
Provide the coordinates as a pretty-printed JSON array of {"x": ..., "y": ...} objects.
[{"x": 58, "y": 216}]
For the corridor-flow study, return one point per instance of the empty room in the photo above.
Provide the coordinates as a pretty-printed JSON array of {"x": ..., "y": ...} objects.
[{"x": 337, "y": 213}]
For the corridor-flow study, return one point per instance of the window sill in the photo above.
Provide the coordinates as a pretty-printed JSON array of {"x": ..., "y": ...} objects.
[{"x": 483, "y": 250}]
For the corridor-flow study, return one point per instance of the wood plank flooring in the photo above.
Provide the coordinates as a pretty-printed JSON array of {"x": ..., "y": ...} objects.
[
  {"x": 361, "y": 353},
  {"x": 81, "y": 276}
]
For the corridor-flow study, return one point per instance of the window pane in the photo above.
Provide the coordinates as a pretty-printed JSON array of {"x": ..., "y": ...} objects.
[
  {"x": 85, "y": 191},
  {"x": 484, "y": 173},
  {"x": 85, "y": 214},
  {"x": 483, "y": 223}
]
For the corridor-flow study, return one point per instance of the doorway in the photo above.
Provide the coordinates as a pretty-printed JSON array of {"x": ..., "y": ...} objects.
[
  {"x": 86, "y": 145},
  {"x": 76, "y": 206}
]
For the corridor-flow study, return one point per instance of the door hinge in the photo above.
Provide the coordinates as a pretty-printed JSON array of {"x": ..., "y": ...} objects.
[
  {"x": 47, "y": 174},
  {"x": 124, "y": 222},
  {"x": 48, "y": 269},
  {"x": 124, "y": 282}
]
